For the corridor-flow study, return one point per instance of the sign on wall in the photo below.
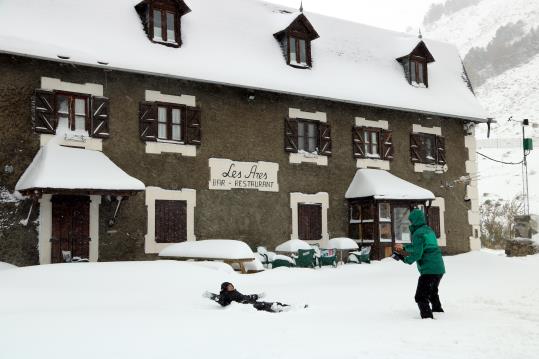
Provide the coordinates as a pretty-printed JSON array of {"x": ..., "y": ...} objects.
[{"x": 227, "y": 174}]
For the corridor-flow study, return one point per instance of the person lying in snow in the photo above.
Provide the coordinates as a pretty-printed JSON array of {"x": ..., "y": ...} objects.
[
  {"x": 229, "y": 294},
  {"x": 425, "y": 252}
]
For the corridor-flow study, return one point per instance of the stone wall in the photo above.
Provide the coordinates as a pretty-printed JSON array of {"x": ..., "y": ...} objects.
[
  {"x": 233, "y": 128},
  {"x": 520, "y": 247}
]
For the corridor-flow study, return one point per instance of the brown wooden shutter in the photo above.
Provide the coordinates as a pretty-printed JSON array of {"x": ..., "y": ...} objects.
[
  {"x": 43, "y": 119},
  {"x": 440, "y": 150},
  {"x": 386, "y": 143},
  {"x": 415, "y": 148},
  {"x": 291, "y": 135},
  {"x": 309, "y": 222},
  {"x": 193, "y": 126},
  {"x": 358, "y": 142},
  {"x": 100, "y": 117},
  {"x": 148, "y": 121},
  {"x": 324, "y": 131},
  {"x": 434, "y": 220}
]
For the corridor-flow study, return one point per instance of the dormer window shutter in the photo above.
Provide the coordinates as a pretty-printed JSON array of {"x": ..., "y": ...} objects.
[
  {"x": 43, "y": 117},
  {"x": 193, "y": 126},
  {"x": 148, "y": 121},
  {"x": 291, "y": 135},
  {"x": 100, "y": 117},
  {"x": 324, "y": 131}
]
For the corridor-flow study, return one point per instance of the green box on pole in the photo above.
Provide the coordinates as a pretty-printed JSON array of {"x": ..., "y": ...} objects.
[{"x": 528, "y": 144}]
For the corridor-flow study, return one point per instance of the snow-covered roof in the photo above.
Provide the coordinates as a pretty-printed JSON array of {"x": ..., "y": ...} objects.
[
  {"x": 231, "y": 42},
  {"x": 59, "y": 167},
  {"x": 210, "y": 248},
  {"x": 381, "y": 184}
]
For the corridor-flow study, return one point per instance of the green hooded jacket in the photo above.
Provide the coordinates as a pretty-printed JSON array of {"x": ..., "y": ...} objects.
[{"x": 424, "y": 248}]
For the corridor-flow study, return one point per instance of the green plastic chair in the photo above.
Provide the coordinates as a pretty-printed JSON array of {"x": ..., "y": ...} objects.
[
  {"x": 279, "y": 262},
  {"x": 328, "y": 257},
  {"x": 362, "y": 256},
  {"x": 306, "y": 258}
]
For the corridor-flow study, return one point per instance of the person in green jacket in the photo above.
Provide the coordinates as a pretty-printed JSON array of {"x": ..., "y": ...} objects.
[{"x": 424, "y": 251}]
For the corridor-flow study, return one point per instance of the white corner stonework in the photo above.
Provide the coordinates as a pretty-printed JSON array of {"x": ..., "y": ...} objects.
[
  {"x": 157, "y": 193},
  {"x": 440, "y": 203},
  {"x": 472, "y": 192},
  {"x": 321, "y": 198},
  {"x": 314, "y": 116}
]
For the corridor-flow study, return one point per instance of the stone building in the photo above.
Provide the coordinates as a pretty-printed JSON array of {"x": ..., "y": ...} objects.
[{"x": 128, "y": 126}]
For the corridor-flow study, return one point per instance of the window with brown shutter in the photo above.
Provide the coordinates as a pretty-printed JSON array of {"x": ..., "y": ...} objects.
[
  {"x": 324, "y": 139},
  {"x": 358, "y": 142},
  {"x": 427, "y": 148},
  {"x": 170, "y": 122},
  {"x": 386, "y": 144},
  {"x": 434, "y": 220},
  {"x": 370, "y": 142},
  {"x": 70, "y": 111},
  {"x": 308, "y": 136},
  {"x": 170, "y": 221}
]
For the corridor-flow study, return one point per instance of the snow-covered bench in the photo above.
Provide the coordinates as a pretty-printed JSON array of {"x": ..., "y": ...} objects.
[{"x": 225, "y": 250}]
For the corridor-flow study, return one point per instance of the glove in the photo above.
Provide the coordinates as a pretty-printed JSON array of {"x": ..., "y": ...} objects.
[
  {"x": 397, "y": 256},
  {"x": 261, "y": 295},
  {"x": 207, "y": 294}
]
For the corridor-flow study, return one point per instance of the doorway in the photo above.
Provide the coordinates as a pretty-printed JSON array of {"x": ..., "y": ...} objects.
[{"x": 70, "y": 227}]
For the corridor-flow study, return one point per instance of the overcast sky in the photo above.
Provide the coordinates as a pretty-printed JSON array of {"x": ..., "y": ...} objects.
[{"x": 390, "y": 14}]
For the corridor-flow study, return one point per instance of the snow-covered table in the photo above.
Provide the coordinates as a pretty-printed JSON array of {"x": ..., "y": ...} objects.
[{"x": 225, "y": 250}]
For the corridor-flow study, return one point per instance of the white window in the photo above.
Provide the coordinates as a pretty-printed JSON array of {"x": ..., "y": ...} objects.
[
  {"x": 176, "y": 124},
  {"x": 307, "y": 136},
  {"x": 157, "y": 29},
  {"x": 162, "y": 122},
  {"x": 171, "y": 36}
]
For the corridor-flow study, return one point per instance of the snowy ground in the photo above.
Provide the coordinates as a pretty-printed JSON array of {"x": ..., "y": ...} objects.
[{"x": 155, "y": 310}]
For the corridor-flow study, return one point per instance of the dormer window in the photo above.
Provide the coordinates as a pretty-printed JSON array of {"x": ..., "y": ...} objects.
[
  {"x": 162, "y": 20},
  {"x": 415, "y": 65},
  {"x": 296, "y": 42}
]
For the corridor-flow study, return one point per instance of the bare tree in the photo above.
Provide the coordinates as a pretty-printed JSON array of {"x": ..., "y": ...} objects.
[{"x": 498, "y": 220}]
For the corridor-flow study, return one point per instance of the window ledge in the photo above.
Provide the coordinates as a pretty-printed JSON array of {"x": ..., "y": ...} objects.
[
  {"x": 74, "y": 140},
  {"x": 171, "y": 147},
  {"x": 373, "y": 163},
  {"x": 425, "y": 167},
  {"x": 319, "y": 160},
  {"x": 299, "y": 65}
]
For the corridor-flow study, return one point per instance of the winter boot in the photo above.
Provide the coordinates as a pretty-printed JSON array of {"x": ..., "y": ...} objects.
[{"x": 425, "y": 311}]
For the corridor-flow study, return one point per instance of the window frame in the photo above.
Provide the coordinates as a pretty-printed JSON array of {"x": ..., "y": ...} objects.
[
  {"x": 422, "y": 148},
  {"x": 369, "y": 144},
  {"x": 169, "y": 107},
  {"x": 316, "y": 134},
  {"x": 416, "y": 71},
  {"x": 72, "y": 96},
  {"x": 298, "y": 38},
  {"x": 164, "y": 9}
]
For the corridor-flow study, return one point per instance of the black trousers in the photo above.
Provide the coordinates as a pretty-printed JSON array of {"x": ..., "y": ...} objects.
[
  {"x": 427, "y": 294},
  {"x": 266, "y": 306}
]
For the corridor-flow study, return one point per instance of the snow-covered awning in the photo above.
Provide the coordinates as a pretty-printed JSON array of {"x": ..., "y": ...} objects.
[
  {"x": 381, "y": 184},
  {"x": 56, "y": 168}
]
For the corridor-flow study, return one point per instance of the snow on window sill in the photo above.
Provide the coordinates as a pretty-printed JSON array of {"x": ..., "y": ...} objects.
[
  {"x": 161, "y": 41},
  {"x": 419, "y": 85},
  {"x": 299, "y": 64}
]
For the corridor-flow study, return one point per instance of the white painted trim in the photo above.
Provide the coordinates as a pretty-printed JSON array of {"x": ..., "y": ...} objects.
[
  {"x": 48, "y": 83},
  {"x": 440, "y": 203},
  {"x": 373, "y": 163},
  {"x": 88, "y": 143},
  {"x": 154, "y": 147},
  {"x": 95, "y": 201},
  {"x": 315, "y": 116},
  {"x": 155, "y": 193},
  {"x": 362, "y": 122},
  {"x": 45, "y": 228},
  {"x": 318, "y": 198},
  {"x": 320, "y": 160},
  {"x": 425, "y": 167},
  {"x": 186, "y": 100},
  {"x": 430, "y": 130},
  {"x": 472, "y": 192}
]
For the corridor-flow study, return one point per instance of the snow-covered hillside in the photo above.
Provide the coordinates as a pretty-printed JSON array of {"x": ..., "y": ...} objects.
[
  {"x": 156, "y": 310},
  {"x": 499, "y": 42}
]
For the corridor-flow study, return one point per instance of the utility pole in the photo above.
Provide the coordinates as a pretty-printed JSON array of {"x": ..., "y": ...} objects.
[{"x": 527, "y": 146}]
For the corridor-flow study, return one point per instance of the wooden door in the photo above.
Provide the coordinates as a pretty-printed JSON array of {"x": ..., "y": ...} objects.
[
  {"x": 70, "y": 227},
  {"x": 309, "y": 222}
]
